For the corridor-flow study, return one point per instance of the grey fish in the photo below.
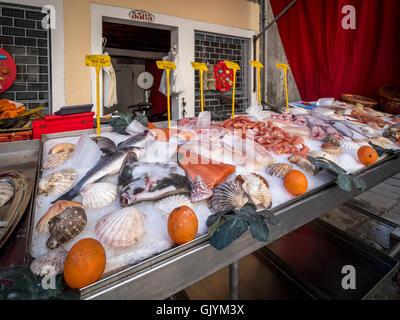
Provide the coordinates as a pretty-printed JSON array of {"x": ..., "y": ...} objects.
[
  {"x": 149, "y": 181},
  {"x": 347, "y": 127},
  {"x": 140, "y": 140},
  {"x": 105, "y": 144}
]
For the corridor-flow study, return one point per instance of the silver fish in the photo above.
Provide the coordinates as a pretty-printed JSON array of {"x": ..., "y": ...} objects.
[
  {"x": 140, "y": 140},
  {"x": 149, "y": 181},
  {"x": 347, "y": 128},
  {"x": 105, "y": 144}
]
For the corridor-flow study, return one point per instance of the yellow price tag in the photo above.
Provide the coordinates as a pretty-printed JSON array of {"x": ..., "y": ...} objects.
[
  {"x": 97, "y": 61},
  {"x": 285, "y": 67},
  {"x": 199, "y": 66},
  {"x": 166, "y": 65},
  {"x": 232, "y": 65},
  {"x": 256, "y": 64}
]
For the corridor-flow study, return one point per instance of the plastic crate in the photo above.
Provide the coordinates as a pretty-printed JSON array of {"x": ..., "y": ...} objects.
[
  {"x": 54, "y": 124},
  {"x": 16, "y": 136}
]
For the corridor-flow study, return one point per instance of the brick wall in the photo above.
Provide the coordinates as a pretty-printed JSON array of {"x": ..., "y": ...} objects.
[
  {"x": 212, "y": 48},
  {"x": 22, "y": 35}
]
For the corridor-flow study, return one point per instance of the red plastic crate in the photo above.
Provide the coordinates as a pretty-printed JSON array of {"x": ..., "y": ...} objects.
[
  {"x": 54, "y": 124},
  {"x": 16, "y": 136}
]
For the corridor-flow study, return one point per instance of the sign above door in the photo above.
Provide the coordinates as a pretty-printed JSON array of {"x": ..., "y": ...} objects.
[{"x": 140, "y": 15}]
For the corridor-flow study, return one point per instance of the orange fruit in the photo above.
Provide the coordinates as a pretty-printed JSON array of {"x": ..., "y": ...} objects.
[
  {"x": 85, "y": 263},
  {"x": 182, "y": 225},
  {"x": 295, "y": 182},
  {"x": 367, "y": 155}
]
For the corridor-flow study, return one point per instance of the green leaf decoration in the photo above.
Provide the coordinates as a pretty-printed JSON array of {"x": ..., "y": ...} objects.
[
  {"x": 258, "y": 228},
  {"x": 121, "y": 123},
  {"x": 141, "y": 118},
  {"x": 344, "y": 182},
  {"x": 324, "y": 163},
  {"x": 381, "y": 151},
  {"x": 359, "y": 183},
  {"x": 247, "y": 210},
  {"x": 215, "y": 225},
  {"x": 229, "y": 231}
]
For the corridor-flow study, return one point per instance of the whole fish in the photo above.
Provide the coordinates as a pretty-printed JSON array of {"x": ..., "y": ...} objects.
[
  {"x": 351, "y": 128},
  {"x": 149, "y": 181},
  {"x": 140, "y": 140},
  {"x": 105, "y": 144}
]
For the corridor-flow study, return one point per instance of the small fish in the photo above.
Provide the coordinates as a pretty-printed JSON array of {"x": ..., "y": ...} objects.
[
  {"x": 343, "y": 129},
  {"x": 105, "y": 144},
  {"x": 140, "y": 140}
]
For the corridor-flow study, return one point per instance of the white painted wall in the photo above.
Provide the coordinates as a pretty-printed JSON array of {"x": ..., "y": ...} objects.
[{"x": 182, "y": 33}]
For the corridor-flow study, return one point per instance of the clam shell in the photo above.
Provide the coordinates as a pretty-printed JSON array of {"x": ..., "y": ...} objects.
[
  {"x": 200, "y": 191},
  {"x": 279, "y": 170},
  {"x": 304, "y": 164},
  {"x": 333, "y": 140},
  {"x": 57, "y": 182},
  {"x": 168, "y": 204},
  {"x": 66, "y": 226},
  {"x": 120, "y": 228},
  {"x": 228, "y": 196},
  {"x": 42, "y": 226},
  {"x": 56, "y": 160},
  {"x": 62, "y": 147},
  {"x": 6, "y": 192},
  {"x": 349, "y": 145},
  {"x": 51, "y": 262},
  {"x": 330, "y": 149},
  {"x": 321, "y": 154},
  {"x": 257, "y": 190},
  {"x": 99, "y": 195}
]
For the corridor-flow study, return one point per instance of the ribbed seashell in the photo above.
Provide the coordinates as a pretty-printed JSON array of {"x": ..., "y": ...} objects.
[
  {"x": 99, "y": 195},
  {"x": 321, "y": 154},
  {"x": 120, "y": 228},
  {"x": 168, "y": 204},
  {"x": 279, "y": 170},
  {"x": 240, "y": 179},
  {"x": 330, "y": 149},
  {"x": 62, "y": 147},
  {"x": 304, "y": 164},
  {"x": 348, "y": 144},
  {"x": 57, "y": 182},
  {"x": 56, "y": 160},
  {"x": 66, "y": 226},
  {"x": 257, "y": 190},
  {"x": 51, "y": 262},
  {"x": 228, "y": 196},
  {"x": 42, "y": 226},
  {"x": 333, "y": 140},
  {"x": 199, "y": 191},
  {"x": 382, "y": 142},
  {"x": 6, "y": 192}
]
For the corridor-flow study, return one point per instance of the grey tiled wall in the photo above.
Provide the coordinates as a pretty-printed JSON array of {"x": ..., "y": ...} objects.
[
  {"x": 22, "y": 36},
  {"x": 212, "y": 48}
]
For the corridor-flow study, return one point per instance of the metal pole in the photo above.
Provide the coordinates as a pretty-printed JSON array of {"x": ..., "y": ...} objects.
[{"x": 234, "y": 281}]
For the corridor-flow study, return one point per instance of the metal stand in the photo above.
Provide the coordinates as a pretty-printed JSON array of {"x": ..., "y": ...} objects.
[{"x": 234, "y": 281}]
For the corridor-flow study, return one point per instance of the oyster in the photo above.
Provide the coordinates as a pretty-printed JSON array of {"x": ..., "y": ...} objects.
[
  {"x": 304, "y": 164},
  {"x": 168, "y": 204},
  {"x": 51, "y": 262},
  {"x": 333, "y": 140},
  {"x": 66, "y": 226},
  {"x": 331, "y": 149},
  {"x": 228, "y": 196},
  {"x": 57, "y": 182},
  {"x": 62, "y": 147},
  {"x": 98, "y": 195},
  {"x": 279, "y": 170},
  {"x": 42, "y": 226},
  {"x": 56, "y": 160},
  {"x": 120, "y": 228},
  {"x": 349, "y": 144},
  {"x": 200, "y": 191},
  {"x": 257, "y": 188},
  {"x": 6, "y": 192}
]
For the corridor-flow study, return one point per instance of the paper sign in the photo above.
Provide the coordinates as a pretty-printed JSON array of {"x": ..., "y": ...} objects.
[
  {"x": 165, "y": 65},
  {"x": 232, "y": 65},
  {"x": 199, "y": 66},
  {"x": 256, "y": 64},
  {"x": 97, "y": 61}
]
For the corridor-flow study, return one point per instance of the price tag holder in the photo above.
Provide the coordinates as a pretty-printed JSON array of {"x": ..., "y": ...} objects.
[
  {"x": 201, "y": 67},
  {"x": 285, "y": 67},
  {"x": 258, "y": 65},
  {"x": 168, "y": 66},
  {"x": 235, "y": 67},
  {"x": 97, "y": 61}
]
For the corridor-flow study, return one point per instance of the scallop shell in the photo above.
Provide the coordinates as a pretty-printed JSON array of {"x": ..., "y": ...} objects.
[
  {"x": 56, "y": 160},
  {"x": 120, "y": 228},
  {"x": 321, "y": 154},
  {"x": 62, "y": 147},
  {"x": 200, "y": 191},
  {"x": 257, "y": 190},
  {"x": 330, "y": 149},
  {"x": 349, "y": 144},
  {"x": 51, "y": 262},
  {"x": 168, "y": 204},
  {"x": 333, "y": 140},
  {"x": 57, "y": 182},
  {"x": 6, "y": 192},
  {"x": 98, "y": 195},
  {"x": 279, "y": 170},
  {"x": 66, "y": 226},
  {"x": 42, "y": 226},
  {"x": 240, "y": 179},
  {"x": 304, "y": 164},
  {"x": 228, "y": 196}
]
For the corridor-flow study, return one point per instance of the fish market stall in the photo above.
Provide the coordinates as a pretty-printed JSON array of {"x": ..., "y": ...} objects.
[{"x": 124, "y": 189}]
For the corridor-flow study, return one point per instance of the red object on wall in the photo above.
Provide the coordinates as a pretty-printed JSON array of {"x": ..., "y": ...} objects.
[
  {"x": 223, "y": 76},
  {"x": 158, "y": 100},
  {"x": 54, "y": 124},
  {"x": 326, "y": 60},
  {"x": 8, "y": 70}
]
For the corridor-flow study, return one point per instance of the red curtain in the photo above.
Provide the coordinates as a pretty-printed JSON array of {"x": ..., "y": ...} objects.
[
  {"x": 327, "y": 60},
  {"x": 158, "y": 100}
]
